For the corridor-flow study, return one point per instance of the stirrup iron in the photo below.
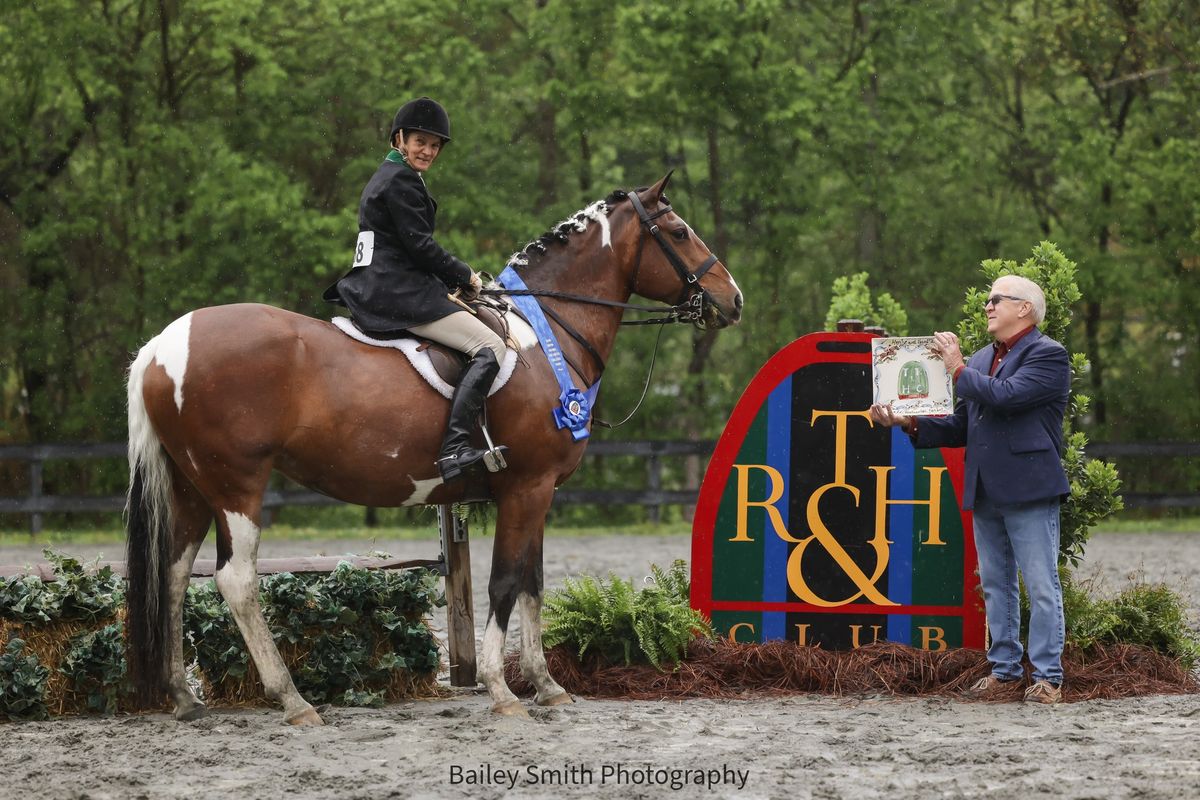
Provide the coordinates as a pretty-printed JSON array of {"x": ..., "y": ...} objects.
[{"x": 493, "y": 457}]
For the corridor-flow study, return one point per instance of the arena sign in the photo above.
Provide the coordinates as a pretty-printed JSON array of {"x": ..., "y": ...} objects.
[{"x": 816, "y": 526}]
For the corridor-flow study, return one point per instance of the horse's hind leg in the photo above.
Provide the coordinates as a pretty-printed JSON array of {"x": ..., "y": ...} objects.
[
  {"x": 517, "y": 578},
  {"x": 192, "y": 518},
  {"x": 237, "y": 578}
]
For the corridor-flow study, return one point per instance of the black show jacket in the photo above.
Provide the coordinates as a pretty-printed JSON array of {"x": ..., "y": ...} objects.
[{"x": 404, "y": 281}]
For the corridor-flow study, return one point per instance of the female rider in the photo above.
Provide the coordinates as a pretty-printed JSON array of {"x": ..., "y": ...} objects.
[{"x": 400, "y": 275}]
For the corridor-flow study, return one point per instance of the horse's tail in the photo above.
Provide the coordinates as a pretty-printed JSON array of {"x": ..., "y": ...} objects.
[{"x": 148, "y": 522}]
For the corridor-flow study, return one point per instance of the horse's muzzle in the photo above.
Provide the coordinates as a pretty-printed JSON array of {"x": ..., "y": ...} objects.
[{"x": 716, "y": 316}]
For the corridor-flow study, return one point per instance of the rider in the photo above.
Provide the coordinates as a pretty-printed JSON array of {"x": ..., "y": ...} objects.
[{"x": 400, "y": 275}]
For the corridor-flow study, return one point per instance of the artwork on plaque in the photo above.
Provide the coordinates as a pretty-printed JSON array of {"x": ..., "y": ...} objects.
[{"x": 908, "y": 374}]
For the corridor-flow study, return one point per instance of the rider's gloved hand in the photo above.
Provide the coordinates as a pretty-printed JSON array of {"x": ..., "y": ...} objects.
[{"x": 472, "y": 289}]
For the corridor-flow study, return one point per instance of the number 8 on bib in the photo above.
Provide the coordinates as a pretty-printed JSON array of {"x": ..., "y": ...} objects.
[{"x": 364, "y": 249}]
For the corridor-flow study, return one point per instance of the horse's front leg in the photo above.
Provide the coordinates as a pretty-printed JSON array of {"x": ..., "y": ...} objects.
[
  {"x": 533, "y": 656},
  {"x": 237, "y": 578},
  {"x": 517, "y": 579}
]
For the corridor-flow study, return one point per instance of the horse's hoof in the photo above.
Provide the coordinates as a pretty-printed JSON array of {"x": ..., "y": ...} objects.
[
  {"x": 560, "y": 699},
  {"x": 192, "y": 713},
  {"x": 308, "y": 716},
  {"x": 511, "y": 708}
]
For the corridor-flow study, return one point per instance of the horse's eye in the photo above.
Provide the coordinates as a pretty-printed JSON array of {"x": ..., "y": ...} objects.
[{"x": 680, "y": 234}]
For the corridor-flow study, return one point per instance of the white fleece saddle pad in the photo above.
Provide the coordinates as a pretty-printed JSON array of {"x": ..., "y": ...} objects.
[{"x": 420, "y": 359}]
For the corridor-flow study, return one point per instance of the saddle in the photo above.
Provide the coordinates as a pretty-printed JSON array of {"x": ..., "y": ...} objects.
[
  {"x": 448, "y": 362},
  {"x": 442, "y": 366}
]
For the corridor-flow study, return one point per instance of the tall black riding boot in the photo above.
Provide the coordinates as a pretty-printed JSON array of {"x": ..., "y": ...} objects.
[{"x": 457, "y": 455}]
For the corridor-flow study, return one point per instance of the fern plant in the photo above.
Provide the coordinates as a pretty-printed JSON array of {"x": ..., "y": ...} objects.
[{"x": 610, "y": 619}]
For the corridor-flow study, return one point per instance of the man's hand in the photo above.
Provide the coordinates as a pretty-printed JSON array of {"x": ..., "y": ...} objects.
[
  {"x": 945, "y": 346},
  {"x": 883, "y": 415}
]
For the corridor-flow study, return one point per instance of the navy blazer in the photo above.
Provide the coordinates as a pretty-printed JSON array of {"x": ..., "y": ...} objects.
[
  {"x": 409, "y": 273},
  {"x": 1011, "y": 423}
]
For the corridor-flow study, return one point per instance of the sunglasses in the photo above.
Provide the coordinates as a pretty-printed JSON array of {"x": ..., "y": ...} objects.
[{"x": 995, "y": 299}]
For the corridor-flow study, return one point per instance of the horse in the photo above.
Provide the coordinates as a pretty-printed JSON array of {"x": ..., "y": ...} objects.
[{"x": 226, "y": 394}]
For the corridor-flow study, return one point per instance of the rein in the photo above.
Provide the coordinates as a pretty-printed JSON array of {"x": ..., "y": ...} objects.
[
  {"x": 690, "y": 307},
  {"x": 687, "y": 311}
]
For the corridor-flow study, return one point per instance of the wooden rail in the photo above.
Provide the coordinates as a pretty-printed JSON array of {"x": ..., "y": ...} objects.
[
  {"x": 650, "y": 494},
  {"x": 36, "y": 503}
]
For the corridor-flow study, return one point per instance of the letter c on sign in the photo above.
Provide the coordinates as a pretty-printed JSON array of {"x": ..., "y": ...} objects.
[{"x": 734, "y": 629}]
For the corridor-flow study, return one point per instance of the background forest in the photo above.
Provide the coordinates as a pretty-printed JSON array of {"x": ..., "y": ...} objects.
[{"x": 162, "y": 155}]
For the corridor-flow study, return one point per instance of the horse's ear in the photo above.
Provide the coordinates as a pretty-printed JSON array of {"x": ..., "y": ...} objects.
[{"x": 660, "y": 187}]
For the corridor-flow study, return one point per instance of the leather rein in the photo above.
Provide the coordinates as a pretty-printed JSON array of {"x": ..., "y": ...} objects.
[{"x": 690, "y": 308}]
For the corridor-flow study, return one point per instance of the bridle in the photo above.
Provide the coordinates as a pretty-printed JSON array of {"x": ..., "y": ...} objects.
[
  {"x": 694, "y": 297},
  {"x": 693, "y": 301}
]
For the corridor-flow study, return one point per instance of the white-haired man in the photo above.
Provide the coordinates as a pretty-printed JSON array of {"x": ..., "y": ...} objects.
[{"x": 1010, "y": 400}]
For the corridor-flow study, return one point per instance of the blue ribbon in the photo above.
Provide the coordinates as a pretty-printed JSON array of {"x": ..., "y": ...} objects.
[{"x": 574, "y": 405}]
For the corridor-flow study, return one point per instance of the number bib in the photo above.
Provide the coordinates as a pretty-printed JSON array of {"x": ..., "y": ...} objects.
[{"x": 364, "y": 250}]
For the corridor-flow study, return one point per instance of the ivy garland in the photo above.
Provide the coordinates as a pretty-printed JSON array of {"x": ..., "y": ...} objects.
[{"x": 350, "y": 637}]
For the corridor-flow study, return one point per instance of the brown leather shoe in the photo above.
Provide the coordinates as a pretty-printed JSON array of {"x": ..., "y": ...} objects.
[
  {"x": 985, "y": 686},
  {"x": 1043, "y": 692}
]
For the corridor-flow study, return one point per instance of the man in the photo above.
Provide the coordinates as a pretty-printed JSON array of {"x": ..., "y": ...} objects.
[{"x": 1011, "y": 397}]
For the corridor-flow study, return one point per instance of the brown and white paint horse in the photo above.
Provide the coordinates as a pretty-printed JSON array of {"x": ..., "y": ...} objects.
[{"x": 224, "y": 395}]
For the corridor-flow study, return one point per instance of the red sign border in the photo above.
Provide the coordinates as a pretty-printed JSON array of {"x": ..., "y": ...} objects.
[{"x": 801, "y": 353}]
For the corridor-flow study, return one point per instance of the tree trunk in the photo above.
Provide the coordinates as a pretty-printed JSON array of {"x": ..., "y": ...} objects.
[
  {"x": 547, "y": 137},
  {"x": 703, "y": 341}
]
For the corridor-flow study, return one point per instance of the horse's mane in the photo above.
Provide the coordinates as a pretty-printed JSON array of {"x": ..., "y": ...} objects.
[{"x": 576, "y": 223}]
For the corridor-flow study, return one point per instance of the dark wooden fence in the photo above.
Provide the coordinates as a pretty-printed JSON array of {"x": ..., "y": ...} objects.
[{"x": 648, "y": 492}]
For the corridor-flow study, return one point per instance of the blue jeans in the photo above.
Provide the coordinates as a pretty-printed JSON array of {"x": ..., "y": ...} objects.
[{"x": 1007, "y": 538}]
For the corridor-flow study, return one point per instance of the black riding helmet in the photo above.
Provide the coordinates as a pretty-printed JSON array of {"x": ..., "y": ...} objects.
[{"x": 421, "y": 114}]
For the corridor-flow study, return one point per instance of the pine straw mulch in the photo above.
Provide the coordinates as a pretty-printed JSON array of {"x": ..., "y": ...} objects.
[{"x": 725, "y": 670}]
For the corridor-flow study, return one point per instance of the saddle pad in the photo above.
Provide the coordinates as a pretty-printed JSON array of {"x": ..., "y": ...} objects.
[{"x": 421, "y": 361}]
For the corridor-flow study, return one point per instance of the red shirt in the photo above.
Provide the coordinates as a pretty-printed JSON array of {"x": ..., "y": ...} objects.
[{"x": 1002, "y": 349}]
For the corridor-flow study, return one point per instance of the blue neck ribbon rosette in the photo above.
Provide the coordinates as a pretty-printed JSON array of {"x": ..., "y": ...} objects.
[{"x": 574, "y": 405}]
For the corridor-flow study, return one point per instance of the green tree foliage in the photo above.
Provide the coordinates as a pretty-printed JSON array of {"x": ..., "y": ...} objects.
[
  {"x": 156, "y": 157},
  {"x": 852, "y": 300}
]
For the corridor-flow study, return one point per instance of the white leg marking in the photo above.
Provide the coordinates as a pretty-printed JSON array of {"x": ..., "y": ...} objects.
[
  {"x": 533, "y": 658},
  {"x": 491, "y": 664},
  {"x": 238, "y": 578},
  {"x": 180, "y": 575},
  {"x": 172, "y": 353},
  {"x": 421, "y": 490},
  {"x": 238, "y": 581}
]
